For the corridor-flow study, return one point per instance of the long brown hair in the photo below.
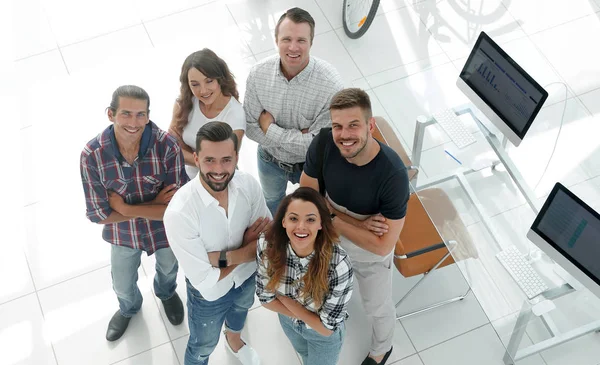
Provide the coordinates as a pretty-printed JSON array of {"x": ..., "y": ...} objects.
[
  {"x": 211, "y": 66},
  {"x": 316, "y": 283}
]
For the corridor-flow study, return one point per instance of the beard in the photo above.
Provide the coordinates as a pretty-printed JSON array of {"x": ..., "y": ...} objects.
[
  {"x": 216, "y": 186},
  {"x": 359, "y": 149}
]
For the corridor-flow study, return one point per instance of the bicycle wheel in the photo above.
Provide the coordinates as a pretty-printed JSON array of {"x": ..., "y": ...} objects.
[{"x": 358, "y": 15}]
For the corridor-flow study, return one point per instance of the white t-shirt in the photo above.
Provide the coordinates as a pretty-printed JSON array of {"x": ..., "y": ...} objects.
[{"x": 233, "y": 114}]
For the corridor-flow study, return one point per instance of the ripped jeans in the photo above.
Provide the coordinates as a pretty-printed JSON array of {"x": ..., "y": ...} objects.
[{"x": 205, "y": 318}]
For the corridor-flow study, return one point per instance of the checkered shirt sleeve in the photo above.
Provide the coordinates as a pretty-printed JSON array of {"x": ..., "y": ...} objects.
[
  {"x": 301, "y": 103},
  {"x": 341, "y": 279},
  {"x": 262, "y": 279},
  {"x": 96, "y": 196}
]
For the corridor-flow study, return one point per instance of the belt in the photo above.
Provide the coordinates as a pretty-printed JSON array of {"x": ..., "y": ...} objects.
[{"x": 286, "y": 166}]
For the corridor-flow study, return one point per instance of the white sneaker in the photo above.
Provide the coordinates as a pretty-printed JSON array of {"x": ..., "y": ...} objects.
[{"x": 246, "y": 354}]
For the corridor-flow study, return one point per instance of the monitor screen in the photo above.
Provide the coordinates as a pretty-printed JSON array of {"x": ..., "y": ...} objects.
[
  {"x": 503, "y": 85},
  {"x": 572, "y": 228}
]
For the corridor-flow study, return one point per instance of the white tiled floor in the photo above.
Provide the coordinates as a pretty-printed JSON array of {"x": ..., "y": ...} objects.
[{"x": 55, "y": 290}]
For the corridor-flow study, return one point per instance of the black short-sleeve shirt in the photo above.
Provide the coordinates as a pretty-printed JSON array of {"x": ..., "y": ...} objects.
[{"x": 380, "y": 186}]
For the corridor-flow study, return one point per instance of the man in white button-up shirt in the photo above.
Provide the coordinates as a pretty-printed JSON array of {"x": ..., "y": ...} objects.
[
  {"x": 212, "y": 224},
  {"x": 287, "y": 103}
]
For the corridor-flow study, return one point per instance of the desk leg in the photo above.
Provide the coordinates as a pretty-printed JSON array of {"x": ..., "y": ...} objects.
[
  {"x": 421, "y": 124},
  {"x": 557, "y": 340},
  {"x": 512, "y": 350},
  {"x": 517, "y": 334},
  {"x": 513, "y": 171}
]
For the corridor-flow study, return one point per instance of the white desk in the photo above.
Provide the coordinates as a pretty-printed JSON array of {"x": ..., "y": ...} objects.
[{"x": 526, "y": 314}]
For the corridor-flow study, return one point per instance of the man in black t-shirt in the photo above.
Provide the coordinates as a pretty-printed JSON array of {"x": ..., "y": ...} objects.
[{"x": 366, "y": 185}]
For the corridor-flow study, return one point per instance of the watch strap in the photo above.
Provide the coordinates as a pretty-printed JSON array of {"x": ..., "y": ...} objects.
[{"x": 223, "y": 259}]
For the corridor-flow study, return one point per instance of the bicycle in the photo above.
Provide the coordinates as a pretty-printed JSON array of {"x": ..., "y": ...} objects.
[{"x": 357, "y": 16}]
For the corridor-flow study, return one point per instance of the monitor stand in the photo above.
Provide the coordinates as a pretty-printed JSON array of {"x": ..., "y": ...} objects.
[
  {"x": 491, "y": 132},
  {"x": 568, "y": 278}
]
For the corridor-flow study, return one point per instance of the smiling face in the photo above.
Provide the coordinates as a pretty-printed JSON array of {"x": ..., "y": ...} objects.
[
  {"x": 216, "y": 162},
  {"x": 351, "y": 131},
  {"x": 130, "y": 119},
  {"x": 293, "y": 41},
  {"x": 302, "y": 223},
  {"x": 206, "y": 89}
]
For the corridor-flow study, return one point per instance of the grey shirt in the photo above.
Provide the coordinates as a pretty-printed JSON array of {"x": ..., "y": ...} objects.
[{"x": 302, "y": 102}]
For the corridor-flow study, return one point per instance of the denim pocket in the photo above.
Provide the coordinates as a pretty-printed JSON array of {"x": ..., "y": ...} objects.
[
  {"x": 193, "y": 292},
  {"x": 263, "y": 155},
  {"x": 341, "y": 330}
]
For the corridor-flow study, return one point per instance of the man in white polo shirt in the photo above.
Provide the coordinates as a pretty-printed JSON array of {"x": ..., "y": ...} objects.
[{"x": 212, "y": 224}]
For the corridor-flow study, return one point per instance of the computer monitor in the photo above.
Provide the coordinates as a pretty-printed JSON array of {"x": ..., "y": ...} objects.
[
  {"x": 501, "y": 89},
  {"x": 568, "y": 231}
]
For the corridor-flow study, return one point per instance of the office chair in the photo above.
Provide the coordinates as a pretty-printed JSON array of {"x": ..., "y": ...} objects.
[{"x": 421, "y": 249}]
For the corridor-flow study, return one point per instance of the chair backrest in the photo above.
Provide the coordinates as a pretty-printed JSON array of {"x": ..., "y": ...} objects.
[
  {"x": 385, "y": 134},
  {"x": 419, "y": 230}
]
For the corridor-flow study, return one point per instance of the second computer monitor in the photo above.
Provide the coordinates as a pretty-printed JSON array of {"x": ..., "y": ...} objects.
[
  {"x": 501, "y": 89},
  {"x": 568, "y": 230}
]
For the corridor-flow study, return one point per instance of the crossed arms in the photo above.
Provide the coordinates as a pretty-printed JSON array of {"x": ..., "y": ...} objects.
[{"x": 376, "y": 234}]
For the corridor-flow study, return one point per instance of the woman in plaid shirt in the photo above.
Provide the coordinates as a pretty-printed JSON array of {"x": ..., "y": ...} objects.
[{"x": 306, "y": 277}]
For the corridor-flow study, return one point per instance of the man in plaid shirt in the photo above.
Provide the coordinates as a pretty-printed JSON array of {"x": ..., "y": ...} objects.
[
  {"x": 287, "y": 104},
  {"x": 129, "y": 173}
]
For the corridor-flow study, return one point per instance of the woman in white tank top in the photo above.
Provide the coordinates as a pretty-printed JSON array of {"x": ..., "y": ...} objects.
[{"x": 208, "y": 93}]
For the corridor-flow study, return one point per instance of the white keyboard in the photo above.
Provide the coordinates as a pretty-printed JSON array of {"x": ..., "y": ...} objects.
[
  {"x": 513, "y": 261},
  {"x": 454, "y": 127}
]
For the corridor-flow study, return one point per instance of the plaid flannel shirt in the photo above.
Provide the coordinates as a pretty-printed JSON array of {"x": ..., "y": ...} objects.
[
  {"x": 333, "y": 311},
  {"x": 103, "y": 169},
  {"x": 302, "y": 102}
]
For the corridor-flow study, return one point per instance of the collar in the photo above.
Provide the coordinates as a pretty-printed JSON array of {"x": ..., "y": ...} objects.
[
  {"x": 303, "y": 261},
  {"x": 144, "y": 143},
  {"x": 303, "y": 75}
]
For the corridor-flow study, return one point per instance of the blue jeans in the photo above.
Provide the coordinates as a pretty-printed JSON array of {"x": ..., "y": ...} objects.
[
  {"x": 274, "y": 178},
  {"x": 124, "y": 264},
  {"x": 314, "y": 348},
  {"x": 205, "y": 318}
]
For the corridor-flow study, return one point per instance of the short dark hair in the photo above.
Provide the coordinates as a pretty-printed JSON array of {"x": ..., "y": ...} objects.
[
  {"x": 298, "y": 16},
  {"x": 216, "y": 132},
  {"x": 128, "y": 91},
  {"x": 351, "y": 97}
]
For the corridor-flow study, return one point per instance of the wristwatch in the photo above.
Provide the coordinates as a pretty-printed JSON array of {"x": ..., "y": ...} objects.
[{"x": 223, "y": 259}]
